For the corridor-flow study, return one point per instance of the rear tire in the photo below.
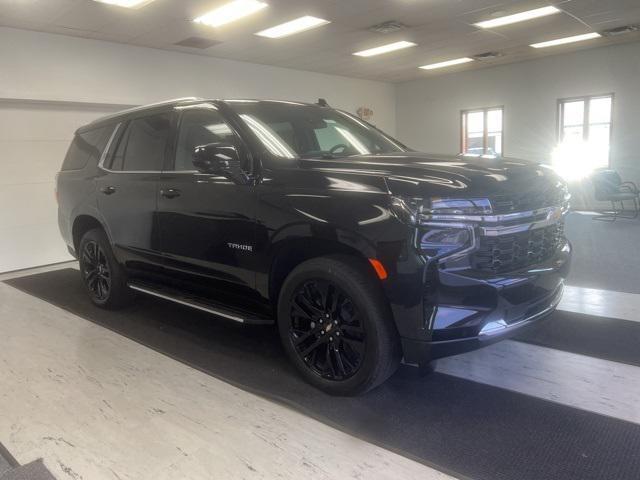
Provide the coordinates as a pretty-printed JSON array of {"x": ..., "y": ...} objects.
[
  {"x": 103, "y": 277},
  {"x": 336, "y": 327}
]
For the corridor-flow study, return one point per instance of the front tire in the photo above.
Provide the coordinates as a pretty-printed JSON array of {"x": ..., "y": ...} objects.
[
  {"x": 336, "y": 327},
  {"x": 103, "y": 277}
]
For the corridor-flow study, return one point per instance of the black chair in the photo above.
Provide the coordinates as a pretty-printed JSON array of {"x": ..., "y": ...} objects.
[{"x": 609, "y": 187}]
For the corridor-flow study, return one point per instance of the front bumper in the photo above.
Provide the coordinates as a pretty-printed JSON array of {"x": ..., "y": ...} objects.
[{"x": 466, "y": 310}]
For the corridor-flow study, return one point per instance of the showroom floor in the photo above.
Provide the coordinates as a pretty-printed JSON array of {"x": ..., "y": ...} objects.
[
  {"x": 605, "y": 253},
  {"x": 97, "y": 405},
  {"x": 158, "y": 391}
]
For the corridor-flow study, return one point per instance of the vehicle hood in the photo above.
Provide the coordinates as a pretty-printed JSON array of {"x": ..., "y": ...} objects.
[{"x": 422, "y": 175}]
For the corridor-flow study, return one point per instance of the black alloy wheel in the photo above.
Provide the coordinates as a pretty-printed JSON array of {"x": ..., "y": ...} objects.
[
  {"x": 96, "y": 271},
  {"x": 327, "y": 330},
  {"x": 336, "y": 325},
  {"x": 103, "y": 277}
]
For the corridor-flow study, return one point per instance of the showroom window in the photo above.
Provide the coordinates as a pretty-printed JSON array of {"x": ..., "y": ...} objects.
[
  {"x": 584, "y": 134},
  {"x": 200, "y": 127},
  {"x": 143, "y": 145},
  {"x": 482, "y": 131}
]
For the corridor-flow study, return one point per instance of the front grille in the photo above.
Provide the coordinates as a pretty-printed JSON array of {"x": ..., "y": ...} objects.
[
  {"x": 526, "y": 201},
  {"x": 510, "y": 252}
]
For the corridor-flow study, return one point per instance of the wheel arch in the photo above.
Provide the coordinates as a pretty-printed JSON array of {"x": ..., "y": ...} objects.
[
  {"x": 81, "y": 225},
  {"x": 291, "y": 253}
]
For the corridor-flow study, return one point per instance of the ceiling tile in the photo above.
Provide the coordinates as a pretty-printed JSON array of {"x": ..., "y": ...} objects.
[{"x": 443, "y": 29}]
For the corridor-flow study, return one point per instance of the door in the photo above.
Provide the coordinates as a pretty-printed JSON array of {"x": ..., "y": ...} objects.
[
  {"x": 207, "y": 222},
  {"x": 127, "y": 188}
]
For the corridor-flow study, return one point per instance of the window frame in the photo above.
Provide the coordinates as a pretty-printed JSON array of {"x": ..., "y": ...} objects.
[
  {"x": 122, "y": 135},
  {"x": 560, "y": 127},
  {"x": 120, "y": 131},
  {"x": 485, "y": 133}
]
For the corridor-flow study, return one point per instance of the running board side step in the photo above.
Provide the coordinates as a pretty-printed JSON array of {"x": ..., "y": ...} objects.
[{"x": 201, "y": 304}]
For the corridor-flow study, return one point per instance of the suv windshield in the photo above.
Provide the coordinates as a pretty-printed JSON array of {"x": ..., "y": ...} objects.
[{"x": 293, "y": 130}]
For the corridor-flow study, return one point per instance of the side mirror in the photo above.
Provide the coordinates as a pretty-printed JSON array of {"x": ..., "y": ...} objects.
[{"x": 220, "y": 159}]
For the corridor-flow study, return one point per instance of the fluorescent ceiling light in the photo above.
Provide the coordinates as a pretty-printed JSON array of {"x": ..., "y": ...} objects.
[
  {"x": 390, "y": 47},
  {"x": 230, "y": 12},
  {"x": 518, "y": 17},
  {"x": 126, "y": 3},
  {"x": 294, "y": 26},
  {"x": 562, "y": 41},
  {"x": 448, "y": 63}
]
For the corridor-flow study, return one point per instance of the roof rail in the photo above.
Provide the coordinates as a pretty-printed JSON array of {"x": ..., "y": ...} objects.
[{"x": 148, "y": 106}]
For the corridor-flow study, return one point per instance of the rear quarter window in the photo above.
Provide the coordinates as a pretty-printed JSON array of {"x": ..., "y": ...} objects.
[{"x": 86, "y": 146}]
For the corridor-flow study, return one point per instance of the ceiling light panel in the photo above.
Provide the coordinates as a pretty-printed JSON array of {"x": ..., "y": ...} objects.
[
  {"x": 230, "y": 12},
  {"x": 448, "y": 63},
  {"x": 518, "y": 17},
  {"x": 294, "y": 26},
  {"x": 390, "y": 47},
  {"x": 126, "y": 3},
  {"x": 565, "y": 40}
]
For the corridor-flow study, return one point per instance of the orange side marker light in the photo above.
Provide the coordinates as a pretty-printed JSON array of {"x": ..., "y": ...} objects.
[{"x": 379, "y": 268}]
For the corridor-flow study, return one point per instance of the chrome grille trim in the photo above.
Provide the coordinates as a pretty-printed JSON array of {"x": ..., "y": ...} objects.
[
  {"x": 494, "y": 225},
  {"x": 553, "y": 215}
]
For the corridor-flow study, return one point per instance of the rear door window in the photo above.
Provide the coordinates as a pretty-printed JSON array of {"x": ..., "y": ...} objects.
[{"x": 144, "y": 144}]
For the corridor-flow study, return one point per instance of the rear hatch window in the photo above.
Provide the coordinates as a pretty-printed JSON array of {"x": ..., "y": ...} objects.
[{"x": 86, "y": 146}]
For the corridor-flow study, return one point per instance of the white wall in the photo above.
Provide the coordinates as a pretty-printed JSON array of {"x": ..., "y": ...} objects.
[
  {"x": 54, "y": 67},
  {"x": 34, "y": 138},
  {"x": 428, "y": 110}
]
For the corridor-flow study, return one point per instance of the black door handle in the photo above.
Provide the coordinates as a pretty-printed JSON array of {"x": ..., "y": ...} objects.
[
  {"x": 108, "y": 190},
  {"x": 170, "y": 193}
]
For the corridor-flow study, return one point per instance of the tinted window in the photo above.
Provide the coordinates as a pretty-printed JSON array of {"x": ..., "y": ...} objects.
[
  {"x": 143, "y": 145},
  {"x": 200, "y": 127},
  {"x": 297, "y": 130},
  {"x": 86, "y": 146}
]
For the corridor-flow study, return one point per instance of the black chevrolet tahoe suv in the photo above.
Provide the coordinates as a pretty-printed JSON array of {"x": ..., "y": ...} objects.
[{"x": 363, "y": 252}]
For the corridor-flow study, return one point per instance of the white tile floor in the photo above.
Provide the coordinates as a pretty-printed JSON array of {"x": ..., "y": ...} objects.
[
  {"x": 588, "y": 383},
  {"x": 100, "y": 406},
  {"x": 604, "y": 303}
]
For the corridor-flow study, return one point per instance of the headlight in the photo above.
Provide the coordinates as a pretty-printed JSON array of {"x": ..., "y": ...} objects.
[
  {"x": 445, "y": 226},
  {"x": 420, "y": 211},
  {"x": 454, "y": 206},
  {"x": 442, "y": 240}
]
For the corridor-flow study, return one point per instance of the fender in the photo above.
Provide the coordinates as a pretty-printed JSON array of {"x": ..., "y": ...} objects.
[
  {"x": 302, "y": 223},
  {"x": 88, "y": 210}
]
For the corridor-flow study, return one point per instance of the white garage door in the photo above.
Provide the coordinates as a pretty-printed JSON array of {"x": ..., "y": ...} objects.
[{"x": 33, "y": 141}]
